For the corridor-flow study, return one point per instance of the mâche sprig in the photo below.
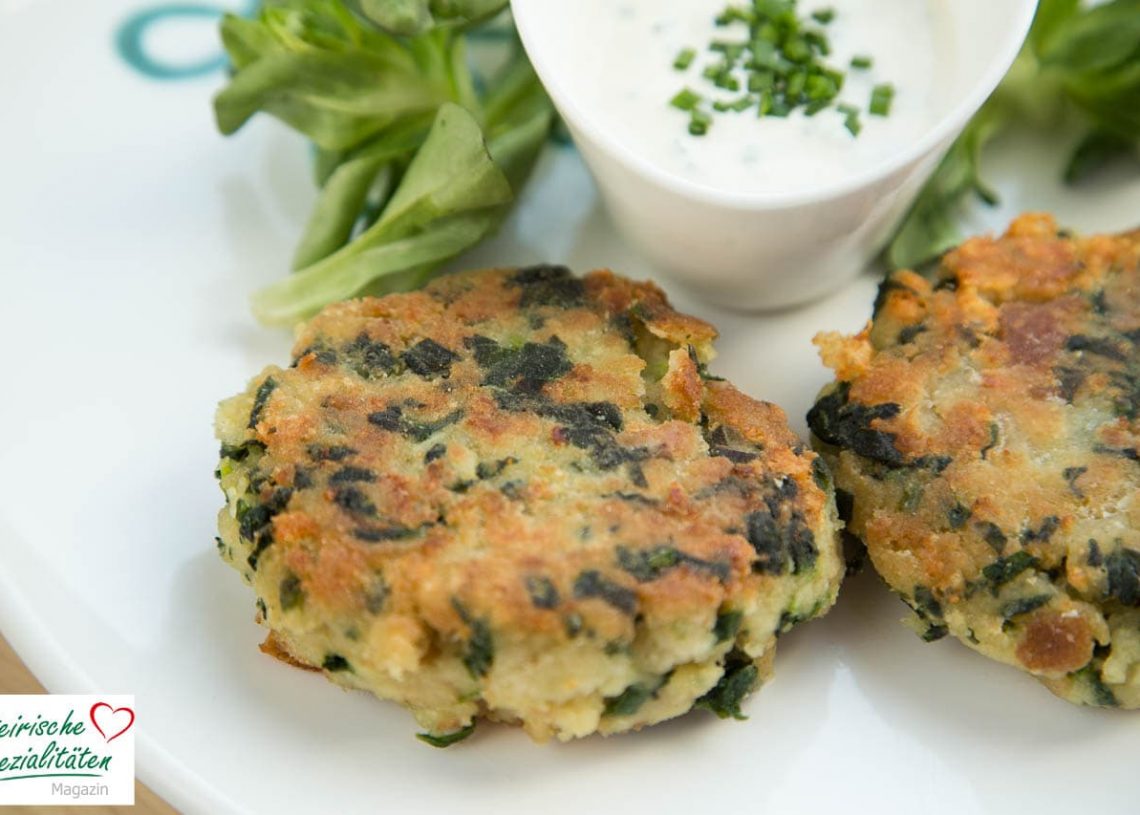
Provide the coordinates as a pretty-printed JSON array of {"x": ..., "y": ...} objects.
[
  {"x": 416, "y": 162},
  {"x": 777, "y": 63},
  {"x": 1081, "y": 61}
]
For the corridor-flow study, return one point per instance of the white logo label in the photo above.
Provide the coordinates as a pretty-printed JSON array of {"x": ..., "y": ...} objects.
[{"x": 69, "y": 750}]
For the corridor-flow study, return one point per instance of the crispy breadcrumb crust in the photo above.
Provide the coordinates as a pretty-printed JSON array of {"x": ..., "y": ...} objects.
[
  {"x": 518, "y": 494},
  {"x": 983, "y": 429}
]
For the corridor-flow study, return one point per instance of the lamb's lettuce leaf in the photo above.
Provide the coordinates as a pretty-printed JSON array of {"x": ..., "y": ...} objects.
[
  {"x": 450, "y": 196},
  {"x": 416, "y": 161},
  {"x": 1080, "y": 60}
]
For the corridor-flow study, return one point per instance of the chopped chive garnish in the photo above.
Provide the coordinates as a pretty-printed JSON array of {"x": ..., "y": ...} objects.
[
  {"x": 715, "y": 72},
  {"x": 763, "y": 56},
  {"x": 685, "y": 58},
  {"x": 881, "y": 97},
  {"x": 815, "y": 107},
  {"x": 735, "y": 14},
  {"x": 767, "y": 33},
  {"x": 797, "y": 50},
  {"x": 778, "y": 60},
  {"x": 765, "y": 104},
  {"x": 732, "y": 50},
  {"x": 820, "y": 88},
  {"x": 727, "y": 81},
  {"x": 761, "y": 81},
  {"x": 699, "y": 122},
  {"x": 818, "y": 41},
  {"x": 685, "y": 99},
  {"x": 736, "y": 105},
  {"x": 795, "y": 87}
]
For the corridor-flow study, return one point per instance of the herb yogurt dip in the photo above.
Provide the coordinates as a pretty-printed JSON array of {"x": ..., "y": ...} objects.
[{"x": 626, "y": 80}]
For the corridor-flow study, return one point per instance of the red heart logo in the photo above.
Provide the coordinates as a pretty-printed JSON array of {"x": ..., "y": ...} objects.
[{"x": 111, "y": 717}]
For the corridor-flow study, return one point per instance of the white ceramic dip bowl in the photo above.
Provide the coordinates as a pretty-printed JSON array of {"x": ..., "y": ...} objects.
[{"x": 759, "y": 249}]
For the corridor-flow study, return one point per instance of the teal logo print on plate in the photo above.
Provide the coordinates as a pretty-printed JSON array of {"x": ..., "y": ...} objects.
[{"x": 131, "y": 34}]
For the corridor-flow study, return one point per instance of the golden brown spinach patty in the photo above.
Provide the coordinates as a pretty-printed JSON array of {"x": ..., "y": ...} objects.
[
  {"x": 984, "y": 430},
  {"x": 518, "y": 494}
]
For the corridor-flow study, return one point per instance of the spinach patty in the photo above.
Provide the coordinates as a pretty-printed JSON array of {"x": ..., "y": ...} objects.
[
  {"x": 518, "y": 495},
  {"x": 983, "y": 432}
]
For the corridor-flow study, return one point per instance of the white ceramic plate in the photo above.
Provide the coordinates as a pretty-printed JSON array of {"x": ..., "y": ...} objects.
[{"x": 131, "y": 235}]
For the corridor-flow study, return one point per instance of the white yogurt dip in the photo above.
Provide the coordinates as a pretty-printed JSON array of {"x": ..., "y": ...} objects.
[{"x": 625, "y": 79}]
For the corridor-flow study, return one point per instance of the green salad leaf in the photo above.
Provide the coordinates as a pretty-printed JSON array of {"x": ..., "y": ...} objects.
[
  {"x": 1079, "y": 60},
  {"x": 409, "y": 17},
  {"x": 450, "y": 197},
  {"x": 1096, "y": 56},
  {"x": 415, "y": 160},
  {"x": 931, "y": 226}
]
